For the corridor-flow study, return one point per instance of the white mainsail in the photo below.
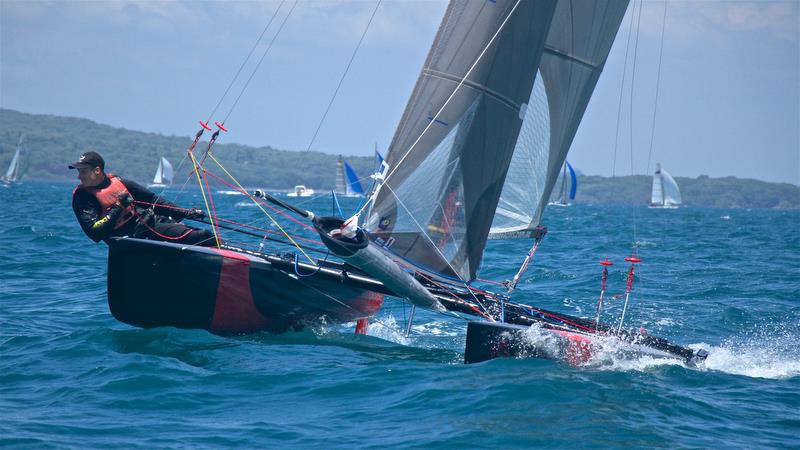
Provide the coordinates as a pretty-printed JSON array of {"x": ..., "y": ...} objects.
[
  {"x": 665, "y": 191},
  {"x": 163, "y": 175},
  {"x": 14, "y": 171}
]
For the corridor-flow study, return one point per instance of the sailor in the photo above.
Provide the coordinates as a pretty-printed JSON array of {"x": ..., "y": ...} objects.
[{"x": 104, "y": 206}]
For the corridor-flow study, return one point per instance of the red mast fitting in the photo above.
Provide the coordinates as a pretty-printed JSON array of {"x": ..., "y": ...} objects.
[
  {"x": 606, "y": 263},
  {"x": 633, "y": 260}
]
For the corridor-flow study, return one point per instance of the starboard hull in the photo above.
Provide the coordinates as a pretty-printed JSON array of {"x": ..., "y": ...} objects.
[
  {"x": 487, "y": 340},
  {"x": 153, "y": 284}
]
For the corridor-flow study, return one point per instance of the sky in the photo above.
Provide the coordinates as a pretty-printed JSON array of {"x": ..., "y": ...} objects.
[{"x": 725, "y": 95}]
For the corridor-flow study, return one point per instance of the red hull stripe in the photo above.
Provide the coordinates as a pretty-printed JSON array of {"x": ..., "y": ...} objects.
[
  {"x": 234, "y": 310},
  {"x": 579, "y": 349}
]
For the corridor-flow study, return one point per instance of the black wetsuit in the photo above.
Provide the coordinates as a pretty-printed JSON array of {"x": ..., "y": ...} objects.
[{"x": 159, "y": 223}]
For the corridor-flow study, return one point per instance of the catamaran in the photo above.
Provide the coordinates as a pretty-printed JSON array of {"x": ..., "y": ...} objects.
[
  {"x": 665, "y": 192},
  {"x": 16, "y": 168},
  {"x": 475, "y": 156},
  {"x": 163, "y": 176}
]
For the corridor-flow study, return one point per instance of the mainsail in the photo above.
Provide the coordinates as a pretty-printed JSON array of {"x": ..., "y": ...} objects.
[
  {"x": 15, "y": 169},
  {"x": 347, "y": 182},
  {"x": 665, "y": 191},
  {"x": 474, "y": 109},
  {"x": 574, "y": 55},
  {"x": 435, "y": 209},
  {"x": 163, "y": 173}
]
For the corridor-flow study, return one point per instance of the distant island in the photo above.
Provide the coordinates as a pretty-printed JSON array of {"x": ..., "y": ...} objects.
[{"x": 55, "y": 141}]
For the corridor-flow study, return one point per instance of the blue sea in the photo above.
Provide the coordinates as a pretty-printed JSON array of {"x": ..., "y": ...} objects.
[{"x": 727, "y": 281}]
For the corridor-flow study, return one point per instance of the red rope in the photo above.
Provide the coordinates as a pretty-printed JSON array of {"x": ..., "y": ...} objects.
[
  {"x": 177, "y": 208},
  {"x": 162, "y": 236}
]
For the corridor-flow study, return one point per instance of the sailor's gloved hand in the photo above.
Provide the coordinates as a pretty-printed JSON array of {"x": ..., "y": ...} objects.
[
  {"x": 125, "y": 199},
  {"x": 196, "y": 214}
]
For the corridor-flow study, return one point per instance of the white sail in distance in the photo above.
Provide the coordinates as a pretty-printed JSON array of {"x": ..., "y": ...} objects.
[
  {"x": 163, "y": 176},
  {"x": 665, "y": 192}
]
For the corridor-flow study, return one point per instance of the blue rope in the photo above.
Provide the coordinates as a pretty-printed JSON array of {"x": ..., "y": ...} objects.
[
  {"x": 336, "y": 204},
  {"x": 319, "y": 266}
]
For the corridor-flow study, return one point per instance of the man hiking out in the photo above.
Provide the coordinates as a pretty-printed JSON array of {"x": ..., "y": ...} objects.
[{"x": 107, "y": 206}]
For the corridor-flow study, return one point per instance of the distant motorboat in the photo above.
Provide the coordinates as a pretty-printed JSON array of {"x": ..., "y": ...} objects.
[
  {"x": 301, "y": 191},
  {"x": 666, "y": 194},
  {"x": 16, "y": 169},
  {"x": 163, "y": 177}
]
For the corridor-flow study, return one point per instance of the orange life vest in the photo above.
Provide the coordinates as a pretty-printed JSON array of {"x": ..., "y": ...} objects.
[{"x": 108, "y": 197}]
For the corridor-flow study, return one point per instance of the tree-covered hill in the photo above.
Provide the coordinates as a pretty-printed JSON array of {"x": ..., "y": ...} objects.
[
  {"x": 725, "y": 192},
  {"x": 53, "y": 142}
]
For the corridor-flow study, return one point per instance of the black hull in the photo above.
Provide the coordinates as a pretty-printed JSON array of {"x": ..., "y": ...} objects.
[
  {"x": 489, "y": 340},
  {"x": 152, "y": 283}
]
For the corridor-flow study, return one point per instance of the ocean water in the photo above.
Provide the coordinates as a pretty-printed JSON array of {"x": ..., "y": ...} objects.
[{"x": 727, "y": 281}]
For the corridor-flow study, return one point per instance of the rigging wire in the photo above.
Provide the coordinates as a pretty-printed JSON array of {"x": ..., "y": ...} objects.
[
  {"x": 230, "y": 84},
  {"x": 255, "y": 69},
  {"x": 621, "y": 95},
  {"x": 446, "y": 102},
  {"x": 275, "y": 222},
  {"x": 202, "y": 191},
  {"x": 246, "y": 59},
  {"x": 341, "y": 80},
  {"x": 630, "y": 116},
  {"x": 439, "y": 252},
  {"x": 658, "y": 83}
]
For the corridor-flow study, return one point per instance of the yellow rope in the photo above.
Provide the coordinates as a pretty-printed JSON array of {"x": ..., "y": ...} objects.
[
  {"x": 205, "y": 200},
  {"x": 262, "y": 209}
]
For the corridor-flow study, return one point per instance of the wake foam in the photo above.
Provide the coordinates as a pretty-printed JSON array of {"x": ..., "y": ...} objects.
[{"x": 752, "y": 359}]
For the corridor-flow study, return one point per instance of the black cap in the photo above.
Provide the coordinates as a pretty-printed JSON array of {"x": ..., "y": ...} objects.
[{"x": 89, "y": 159}]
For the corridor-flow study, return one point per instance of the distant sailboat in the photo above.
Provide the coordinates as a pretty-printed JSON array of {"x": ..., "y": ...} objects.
[
  {"x": 347, "y": 182},
  {"x": 163, "y": 177},
  {"x": 665, "y": 190},
  {"x": 564, "y": 196},
  {"x": 16, "y": 169}
]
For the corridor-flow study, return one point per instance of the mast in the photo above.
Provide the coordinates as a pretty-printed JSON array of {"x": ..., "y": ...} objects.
[
  {"x": 563, "y": 193},
  {"x": 339, "y": 186}
]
